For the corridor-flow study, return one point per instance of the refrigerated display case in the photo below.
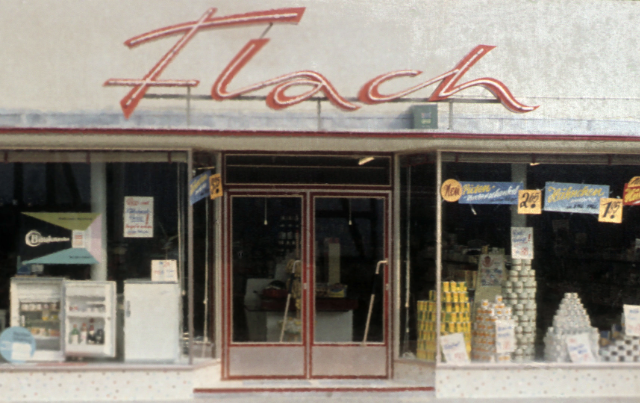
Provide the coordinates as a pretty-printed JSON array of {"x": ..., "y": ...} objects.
[
  {"x": 35, "y": 305},
  {"x": 151, "y": 321},
  {"x": 89, "y": 318}
]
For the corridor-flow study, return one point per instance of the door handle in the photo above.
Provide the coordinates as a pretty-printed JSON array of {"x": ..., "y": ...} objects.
[{"x": 373, "y": 297}]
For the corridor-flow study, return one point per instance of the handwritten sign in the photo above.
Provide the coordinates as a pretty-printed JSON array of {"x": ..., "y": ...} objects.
[
  {"x": 138, "y": 217},
  {"x": 634, "y": 182},
  {"x": 610, "y": 210},
  {"x": 574, "y": 197},
  {"x": 164, "y": 270},
  {"x": 521, "y": 243},
  {"x": 215, "y": 186},
  {"x": 454, "y": 349},
  {"x": 490, "y": 192},
  {"x": 451, "y": 190},
  {"x": 631, "y": 320},
  {"x": 631, "y": 195},
  {"x": 578, "y": 346},
  {"x": 199, "y": 187},
  {"x": 505, "y": 336},
  {"x": 529, "y": 202}
]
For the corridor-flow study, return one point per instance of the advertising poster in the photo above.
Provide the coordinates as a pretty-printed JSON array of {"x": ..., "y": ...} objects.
[
  {"x": 138, "y": 217},
  {"x": 631, "y": 195},
  {"x": 61, "y": 238},
  {"x": 199, "y": 187},
  {"x": 574, "y": 197},
  {"x": 491, "y": 274},
  {"x": 490, "y": 192},
  {"x": 521, "y": 243}
]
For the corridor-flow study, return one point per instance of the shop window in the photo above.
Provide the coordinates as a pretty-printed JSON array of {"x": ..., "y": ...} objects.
[
  {"x": 91, "y": 247},
  {"x": 567, "y": 303}
]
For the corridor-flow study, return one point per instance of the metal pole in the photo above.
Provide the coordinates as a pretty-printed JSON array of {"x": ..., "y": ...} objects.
[
  {"x": 190, "y": 257},
  {"x": 217, "y": 268},
  {"x": 319, "y": 112},
  {"x": 407, "y": 303},
  {"x": 206, "y": 277},
  {"x": 450, "y": 115},
  {"x": 188, "y": 106},
  {"x": 397, "y": 256},
  {"x": 438, "y": 250}
]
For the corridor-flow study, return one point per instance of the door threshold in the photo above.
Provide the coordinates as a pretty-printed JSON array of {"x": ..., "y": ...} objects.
[{"x": 313, "y": 385}]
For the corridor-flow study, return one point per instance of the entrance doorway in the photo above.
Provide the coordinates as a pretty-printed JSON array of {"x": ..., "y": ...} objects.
[{"x": 307, "y": 284}]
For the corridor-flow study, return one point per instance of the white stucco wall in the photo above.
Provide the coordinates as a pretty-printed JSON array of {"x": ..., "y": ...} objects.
[{"x": 578, "y": 59}]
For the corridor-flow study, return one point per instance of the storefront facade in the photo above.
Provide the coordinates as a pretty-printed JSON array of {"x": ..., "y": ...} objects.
[{"x": 330, "y": 252}]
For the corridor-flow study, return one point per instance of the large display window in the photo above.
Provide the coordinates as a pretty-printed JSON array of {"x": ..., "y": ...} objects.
[
  {"x": 94, "y": 255},
  {"x": 538, "y": 260}
]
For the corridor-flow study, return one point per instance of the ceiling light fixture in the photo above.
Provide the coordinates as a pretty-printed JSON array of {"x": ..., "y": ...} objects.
[{"x": 364, "y": 160}]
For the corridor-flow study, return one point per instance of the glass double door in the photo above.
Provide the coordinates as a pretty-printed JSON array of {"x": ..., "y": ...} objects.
[{"x": 307, "y": 284}]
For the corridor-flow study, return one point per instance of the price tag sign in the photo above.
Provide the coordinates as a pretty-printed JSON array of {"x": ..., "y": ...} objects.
[
  {"x": 610, "y": 210},
  {"x": 505, "y": 336},
  {"x": 454, "y": 349},
  {"x": 521, "y": 243},
  {"x": 529, "y": 202},
  {"x": 579, "y": 348},
  {"x": 632, "y": 320},
  {"x": 215, "y": 186}
]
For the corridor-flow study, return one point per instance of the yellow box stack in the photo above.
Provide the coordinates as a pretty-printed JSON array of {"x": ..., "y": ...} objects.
[{"x": 455, "y": 318}]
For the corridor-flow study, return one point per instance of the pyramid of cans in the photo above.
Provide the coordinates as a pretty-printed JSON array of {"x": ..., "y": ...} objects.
[
  {"x": 455, "y": 318},
  {"x": 626, "y": 349},
  {"x": 519, "y": 293},
  {"x": 484, "y": 331},
  {"x": 570, "y": 319}
]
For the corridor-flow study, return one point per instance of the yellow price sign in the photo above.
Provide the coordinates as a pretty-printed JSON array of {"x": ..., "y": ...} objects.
[
  {"x": 215, "y": 186},
  {"x": 530, "y": 202},
  {"x": 451, "y": 190},
  {"x": 610, "y": 210}
]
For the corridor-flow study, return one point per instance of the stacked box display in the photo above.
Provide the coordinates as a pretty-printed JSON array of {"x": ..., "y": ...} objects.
[
  {"x": 484, "y": 331},
  {"x": 519, "y": 291},
  {"x": 455, "y": 318},
  {"x": 570, "y": 319}
]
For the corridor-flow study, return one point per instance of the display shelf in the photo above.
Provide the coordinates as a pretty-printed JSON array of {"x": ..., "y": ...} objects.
[
  {"x": 44, "y": 338},
  {"x": 93, "y": 349},
  {"x": 97, "y": 315}
]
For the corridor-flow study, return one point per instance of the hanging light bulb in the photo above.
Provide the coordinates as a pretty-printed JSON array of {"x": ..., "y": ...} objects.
[{"x": 265, "y": 211}]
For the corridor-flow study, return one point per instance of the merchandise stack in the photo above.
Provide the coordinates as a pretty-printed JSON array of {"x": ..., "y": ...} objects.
[
  {"x": 484, "y": 331},
  {"x": 455, "y": 318},
  {"x": 519, "y": 292},
  {"x": 570, "y": 319},
  {"x": 626, "y": 349}
]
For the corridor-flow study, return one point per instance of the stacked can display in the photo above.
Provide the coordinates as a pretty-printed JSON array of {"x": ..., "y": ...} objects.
[
  {"x": 455, "y": 318},
  {"x": 484, "y": 331},
  {"x": 626, "y": 349},
  {"x": 519, "y": 293},
  {"x": 570, "y": 319}
]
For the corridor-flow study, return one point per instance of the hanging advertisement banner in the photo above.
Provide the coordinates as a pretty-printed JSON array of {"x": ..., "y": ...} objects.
[
  {"x": 61, "y": 238},
  {"x": 138, "y": 217},
  {"x": 490, "y": 192},
  {"x": 521, "y": 243},
  {"x": 574, "y": 197},
  {"x": 199, "y": 187},
  {"x": 631, "y": 195}
]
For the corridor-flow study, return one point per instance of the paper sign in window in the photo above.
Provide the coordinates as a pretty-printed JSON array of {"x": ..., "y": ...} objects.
[
  {"x": 530, "y": 202},
  {"x": 610, "y": 210}
]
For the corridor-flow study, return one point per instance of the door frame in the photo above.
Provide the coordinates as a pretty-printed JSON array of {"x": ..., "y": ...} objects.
[{"x": 307, "y": 195}]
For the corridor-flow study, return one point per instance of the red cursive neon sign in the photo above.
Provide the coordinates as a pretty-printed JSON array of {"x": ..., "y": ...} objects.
[{"x": 277, "y": 98}]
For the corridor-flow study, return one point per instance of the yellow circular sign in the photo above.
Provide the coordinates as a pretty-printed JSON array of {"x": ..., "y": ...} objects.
[{"x": 451, "y": 190}]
